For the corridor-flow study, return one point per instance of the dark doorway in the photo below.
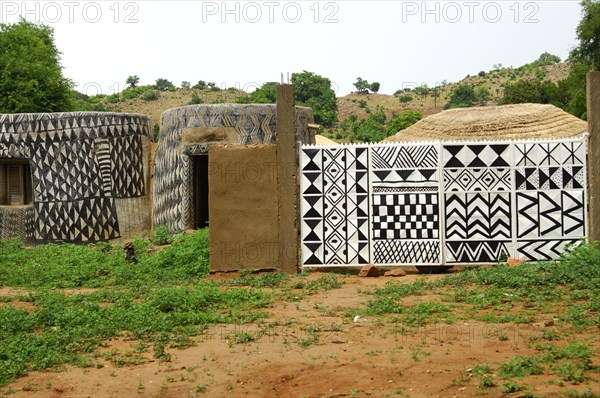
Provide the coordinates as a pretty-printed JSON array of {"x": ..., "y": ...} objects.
[{"x": 200, "y": 178}]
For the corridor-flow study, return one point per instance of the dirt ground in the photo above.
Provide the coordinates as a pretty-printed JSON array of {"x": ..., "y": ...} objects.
[{"x": 352, "y": 357}]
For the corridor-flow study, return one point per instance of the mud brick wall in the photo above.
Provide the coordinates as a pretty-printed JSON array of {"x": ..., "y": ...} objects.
[{"x": 243, "y": 209}]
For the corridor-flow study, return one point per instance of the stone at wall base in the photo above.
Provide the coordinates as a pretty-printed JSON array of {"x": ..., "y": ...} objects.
[
  {"x": 368, "y": 270},
  {"x": 397, "y": 272}
]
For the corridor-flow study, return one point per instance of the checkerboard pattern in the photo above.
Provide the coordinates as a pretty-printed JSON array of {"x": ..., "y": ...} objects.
[{"x": 408, "y": 216}]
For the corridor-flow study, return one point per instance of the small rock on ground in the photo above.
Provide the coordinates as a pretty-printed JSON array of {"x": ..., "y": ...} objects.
[
  {"x": 368, "y": 270},
  {"x": 395, "y": 272}
]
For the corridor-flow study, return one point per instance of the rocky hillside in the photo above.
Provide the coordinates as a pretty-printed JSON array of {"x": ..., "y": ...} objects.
[{"x": 425, "y": 101}]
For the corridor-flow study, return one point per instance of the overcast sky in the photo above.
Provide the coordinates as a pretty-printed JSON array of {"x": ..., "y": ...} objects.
[{"x": 247, "y": 43}]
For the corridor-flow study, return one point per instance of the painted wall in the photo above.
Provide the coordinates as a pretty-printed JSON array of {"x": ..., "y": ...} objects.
[
  {"x": 442, "y": 203},
  {"x": 190, "y": 131},
  {"x": 82, "y": 165}
]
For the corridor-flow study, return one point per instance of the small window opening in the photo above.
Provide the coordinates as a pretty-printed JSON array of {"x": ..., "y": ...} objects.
[{"x": 15, "y": 183}]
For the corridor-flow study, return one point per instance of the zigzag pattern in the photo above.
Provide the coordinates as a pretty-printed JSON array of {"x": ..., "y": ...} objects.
[
  {"x": 405, "y": 157},
  {"x": 478, "y": 216},
  {"x": 543, "y": 250},
  {"x": 550, "y": 214},
  {"x": 573, "y": 214},
  {"x": 45, "y": 128},
  {"x": 476, "y": 251}
]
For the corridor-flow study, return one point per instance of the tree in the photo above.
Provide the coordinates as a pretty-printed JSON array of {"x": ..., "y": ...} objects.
[
  {"x": 201, "y": 85},
  {"x": 132, "y": 81},
  {"x": 315, "y": 91},
  {"x": 549, "y": 58},
  {"x": 31, "y": 77},
  {"x": 570, "y": 94},
  {"x": 482, "y": 95},
  {"x": 525, "y": 91},
  {"x": 588, "y": 34},
  {"x": 186, "y": 84},
  {"x": 375, "y": 87},
  {"x": 213, "y": 86},
  {"x": 266, "y": 94},
  {"x": 164, "y": 85},
  {"x": 463, "y": 96},
  {"x": 401, "y": 122},
  {"x": 362, "y": 86}
]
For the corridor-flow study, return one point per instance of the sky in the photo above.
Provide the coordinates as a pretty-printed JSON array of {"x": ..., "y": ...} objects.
[{"x": 244, "y": 44}]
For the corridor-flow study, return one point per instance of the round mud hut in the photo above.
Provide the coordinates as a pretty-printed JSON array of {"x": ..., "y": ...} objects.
[
  {"x": 505, "y": 122},
  {"x": 181, "y": 167},
  {"x": 74, "y": 177}
]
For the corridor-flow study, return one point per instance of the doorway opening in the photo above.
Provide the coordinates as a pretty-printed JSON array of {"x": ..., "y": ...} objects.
[{"x": 200, "y": 178}]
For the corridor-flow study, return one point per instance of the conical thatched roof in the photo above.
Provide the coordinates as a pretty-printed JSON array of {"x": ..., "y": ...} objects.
[
  {"x": 322, "y": 140},
  {"x": 519, "y": 121}
]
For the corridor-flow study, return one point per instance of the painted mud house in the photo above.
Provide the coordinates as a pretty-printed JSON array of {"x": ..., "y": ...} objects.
[
  {"x": 221, "y": 160},
  {"x": 74, "y": 177}
]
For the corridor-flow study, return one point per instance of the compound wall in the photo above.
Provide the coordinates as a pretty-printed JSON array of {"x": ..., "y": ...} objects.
[{"x": 442, "y": 203}]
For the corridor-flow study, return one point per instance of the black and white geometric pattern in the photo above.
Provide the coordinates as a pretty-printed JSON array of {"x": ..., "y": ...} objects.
[
  {"x": 79, "y": 162},
  {"x": 554, "y": 153},
  {"x": 128, "y": 171},
  {"x": 477, "y": 251},
  {"x": 477, "y": 180},
  {"x": 86, "y": 220},
  {"x": 478, "y": 216},
  {"x": 493, "y": 200},
  {"x": 550, "y": 214},
  {"x": 550, "y": 177},
  {"x": 406, "y": 252},
  {"x": 406, "y": 216},
  {"x": 477, "y": 155},
  {"x": 405, "y": 157},
  {"x": 335, "y": 206},
  {"x": 543, "y": 249},
  {"x": 551, "y": 183},
  {"x": 173, "y": 203}
]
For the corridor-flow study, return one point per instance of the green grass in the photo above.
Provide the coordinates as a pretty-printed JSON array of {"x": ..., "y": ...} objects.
[
  {"x": 64, "y": 329},
  {"x": 521, "y": 366},
  {"x": 162, "y": 301},
  {"x": 159, "y": 300},
  {"x": 103, "y": 264}
]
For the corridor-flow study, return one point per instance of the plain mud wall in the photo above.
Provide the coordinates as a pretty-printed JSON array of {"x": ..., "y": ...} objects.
[{"x": 243, "y": 207}]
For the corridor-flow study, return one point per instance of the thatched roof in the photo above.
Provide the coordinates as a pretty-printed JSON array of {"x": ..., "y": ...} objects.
[
  {"x": 519, "y": 121},
  {"x": 322, "y": 140}
]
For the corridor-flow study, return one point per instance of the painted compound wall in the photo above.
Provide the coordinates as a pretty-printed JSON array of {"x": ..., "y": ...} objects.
[
  {"x": 442, "y": 203},
  {"x": 89, "y": 175}
]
